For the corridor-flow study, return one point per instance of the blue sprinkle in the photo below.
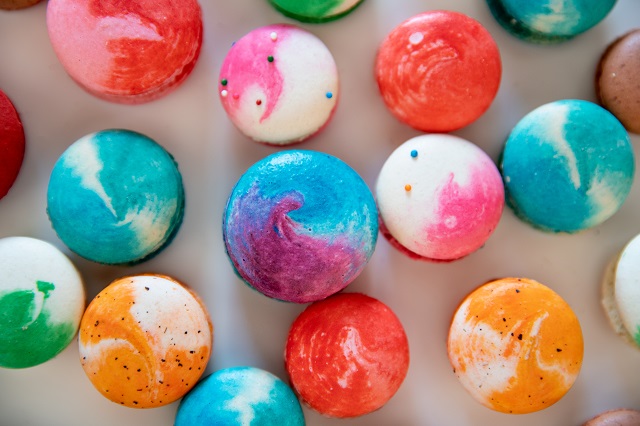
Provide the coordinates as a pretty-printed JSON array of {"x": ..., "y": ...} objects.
[
  {"x": 329, "y": 95},
  {"x": 414, "y": 153}
]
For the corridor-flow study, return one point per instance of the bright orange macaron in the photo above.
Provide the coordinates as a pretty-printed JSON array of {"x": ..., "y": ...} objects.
[{"x": 515, "y": 345}]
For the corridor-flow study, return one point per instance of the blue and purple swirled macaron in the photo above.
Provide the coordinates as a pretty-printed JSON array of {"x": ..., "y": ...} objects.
[
  {"x": 115, "y": 197},
  {"x": 300, "y": 225},
  {"x": 240, "y": 396},
  {"x": 549, "y": 21},
  {"x": 567, "y": 166}
]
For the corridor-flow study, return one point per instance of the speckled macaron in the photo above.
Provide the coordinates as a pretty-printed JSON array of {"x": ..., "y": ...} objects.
[
  {"x": 549, "y": 21},
  {"x": 115, "y": 197},
  {"x": 279, "y": 84},
  {"x": 567, "y": 166},
  {"x": 440, "y": 197},
  {"x": 240, "y": 396},
  {"x": 300, "y": 225},
  {"x": 515, "y": 345},
  {"x": 41, "y": 302},
  {"x": 12, "y": 144},
  {"x": 617, "y": 85},
  {"x": 130, "y": 51},
  {"x": 315, "y": 11},
  {"x": 617, "y": 417},
  {"x": 438, "y": 71},
  {"x": 347, "y": 356},
  {"x": 145, "y": 340}
]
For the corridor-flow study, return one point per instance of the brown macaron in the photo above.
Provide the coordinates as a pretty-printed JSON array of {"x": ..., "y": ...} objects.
[
  {"x": 16, "y": 4},
  {"x": 617, "y": 83}
]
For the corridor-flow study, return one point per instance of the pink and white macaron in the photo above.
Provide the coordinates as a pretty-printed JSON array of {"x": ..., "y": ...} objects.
[
  {"x": 440, "y": 197},
  {"x": 126, "y": 51},
  {"x": 279, "y": 84}
]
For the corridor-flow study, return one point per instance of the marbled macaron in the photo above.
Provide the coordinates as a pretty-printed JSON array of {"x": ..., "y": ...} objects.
[
  {"x": 549, "y": 21},
  {"x": 616, "y": 417},
  {"x": 567, "y": 166},
  {"x": 279, "y": 84},
  {"x": 315, "y": 11},
  {"x": 347, "y": 356},
  {"x": 515, "y": 345},
  {"x": 240, "y": 396},
  {"x": 145, "y": 340},
  {"x": 42, "y": 299},
  {"x": 440, "y": 197},
  {"x": 115, "y": 197},
  {"x": 300, "y": 225},
  {"x": 617, "y": 85},
  {"x": 130, "y": 51},
  {"x": 438, "y": 71},
  {"x": 12, "y": 144}
]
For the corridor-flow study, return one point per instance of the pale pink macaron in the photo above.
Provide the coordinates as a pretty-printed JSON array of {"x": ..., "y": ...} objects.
[
  {"x": 440, "y": 197},
  {"x": 618, "y": 417},
  {"x": 128, "y": 51}
]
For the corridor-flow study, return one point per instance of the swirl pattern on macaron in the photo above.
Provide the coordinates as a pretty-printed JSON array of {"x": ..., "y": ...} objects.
[
  {"x": 515, "y": 345},
  {"x": 315, "y": 10},
  {"x": 145, "y": 340},
  {"x": 240, "y": 396},
  {"x": 279, "y": 84},
  {"x": 115, "y": 197},
  {"x": 567, "y": 166},
  {"x": 41, "y": 302},
  {"x": 300, "y": 225},
  {"x": 440, "y": 197}
]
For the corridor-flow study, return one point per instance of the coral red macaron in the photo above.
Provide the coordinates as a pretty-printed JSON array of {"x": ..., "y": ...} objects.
[
  {"x": 12, "y": 144},
  {"x": 438, "y": 71}
]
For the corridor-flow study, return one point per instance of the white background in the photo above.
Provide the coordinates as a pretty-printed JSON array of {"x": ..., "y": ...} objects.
[{"x": 251, "y": 329}]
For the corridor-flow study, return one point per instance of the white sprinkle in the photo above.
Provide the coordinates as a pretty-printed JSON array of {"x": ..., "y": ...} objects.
[
  {"x": 274, "y": 36},
  {"x": 416, "y": 38},
  {"x": 224, "y": 93}
]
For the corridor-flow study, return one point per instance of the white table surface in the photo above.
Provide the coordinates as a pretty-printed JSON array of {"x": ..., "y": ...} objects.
[{"x": 250, "y": 328}]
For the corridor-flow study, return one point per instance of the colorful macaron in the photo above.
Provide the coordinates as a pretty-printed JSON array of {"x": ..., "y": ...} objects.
[
  {"x": 299, "y": 226},
  {"x": 241, "y": 396},
  {"x": 621, "y": 292},
  {"x": 127, "y": 51},
  {"x": 347, "y": 355},
  {"x": 145, "y": 340},
  {"x": 12, "y": 144},
  {"x": 279, "y": 84},
  {"x": 17, "y": 4},
  {"x": 440, "y": 197},
  {"x": 438, "y": 71},
  {"x": 567, "y": 166},
  {"x": 315, "y": 11},
  {"x": 549, "y": 21},
  {"x": 515, "y": 345},
  {"x": 41, "y": 302},
  {"x": 115, "y": 197},
  {"x": 617, "y": 85},
  {"x": 617, "y": 417}
]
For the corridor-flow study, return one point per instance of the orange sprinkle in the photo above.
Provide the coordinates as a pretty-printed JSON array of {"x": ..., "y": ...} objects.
[{"x": 407, "y": 187}]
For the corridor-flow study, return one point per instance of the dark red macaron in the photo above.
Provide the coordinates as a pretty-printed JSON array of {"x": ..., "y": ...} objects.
[{"x": 11, "y": 144}]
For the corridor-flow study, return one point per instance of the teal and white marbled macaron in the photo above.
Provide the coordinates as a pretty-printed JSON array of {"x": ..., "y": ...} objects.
[
  {"x": 115, "y": 197},
  {"x": 567, "y": 166},
  {"x": 41, "y": 302},
  {"x": 549, "y": 21},
  {"x": 240, "y": 396},
  {"x": 315, "y": 11}
]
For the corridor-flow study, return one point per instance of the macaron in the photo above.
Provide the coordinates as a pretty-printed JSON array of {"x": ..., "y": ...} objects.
[
  {"x": 12, "y": 144},
  {"x": 300, "y": 226},
  {"x": 240, "y": 396},
  {"x": 547, "y": 22},
  {"x": 315, "y": 11},
  {"x": 115, "y": 197},
  {"x": 145, "y": 340},
  {"x": 440, "y": 197},
  {"x": 617, "y": 80},
  {"x": 17, "y": 4},
  {"x": 438, "y": 71},
  {"x": 41, "y": 302},
  {"x": 127, "y": 52},
  {"x": 346, "y": 356},
  {"x": 617, "y": 417},
  {"x": 515, "y": 345},
  {"x": 279, "y": 84},
  {"x": 621, "y": 292},
  {"x": 581, "y": 151}
]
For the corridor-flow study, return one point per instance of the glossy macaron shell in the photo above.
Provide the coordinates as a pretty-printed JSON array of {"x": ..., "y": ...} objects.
[
  {"x": 515, "y": 345},
  {"x": 315, "y": 11},
  {"x": 12, "y": 144}
]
